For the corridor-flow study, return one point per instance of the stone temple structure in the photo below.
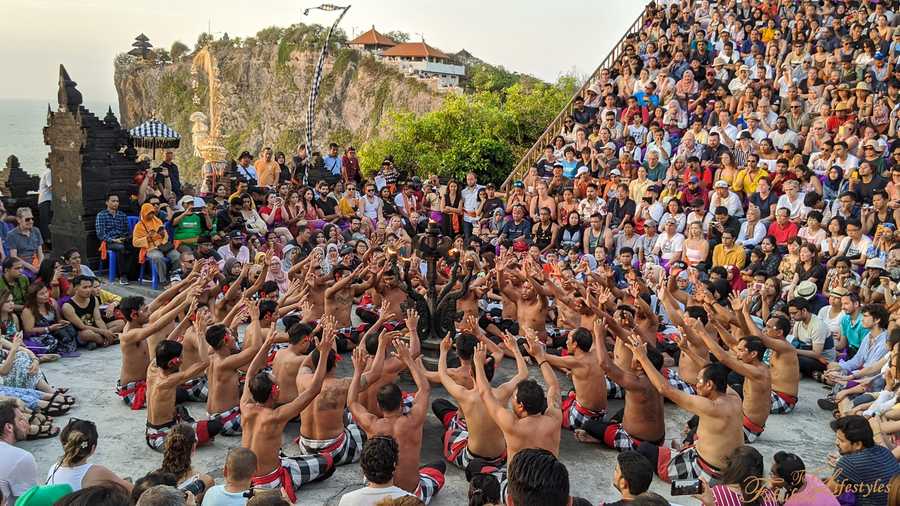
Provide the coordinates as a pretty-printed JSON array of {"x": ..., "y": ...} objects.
[{"x": 88, "y": 159}]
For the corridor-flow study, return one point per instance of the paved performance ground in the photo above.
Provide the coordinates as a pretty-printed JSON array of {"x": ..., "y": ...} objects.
[
  {"x": 122, "y": 448},
  {"x": 92, "y": 378}
]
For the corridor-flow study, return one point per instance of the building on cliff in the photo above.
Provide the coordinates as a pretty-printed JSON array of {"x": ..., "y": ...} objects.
[
  {"x": 372, "y": 41},
  {"x": 422, "y": 61}
]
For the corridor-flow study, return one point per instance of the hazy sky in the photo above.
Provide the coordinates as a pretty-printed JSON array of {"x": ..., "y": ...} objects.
[{"x": 538, "y": 37}]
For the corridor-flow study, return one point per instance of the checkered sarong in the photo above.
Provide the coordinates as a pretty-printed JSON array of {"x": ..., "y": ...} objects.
[
  {"x": 616, "y": 437},
  {"x": 752, "y": 431},
  {"x": 344, "y": 449},
  {"x": 575, "y": 415},
  {"x": 197, "y": 389},
  {"x": 231, "y": 421},
  {"x": 409, "y": 398},
  {"x": 134, "y": 393},
  {"x": 155, "y": 435},
  {"x": 684, "y": 464},
  {"x": 614, "y": 391},
  {"x": 782, "y": 403},
  {"x": 456, "y": 444},
  {"x": 431, "y": 481},
  {"x": 296, "y": 472},
  {"x": 676, "y": 381}
]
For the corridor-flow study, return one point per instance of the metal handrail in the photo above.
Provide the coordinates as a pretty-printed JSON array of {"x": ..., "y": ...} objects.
[{"x": 534, "y": 153}]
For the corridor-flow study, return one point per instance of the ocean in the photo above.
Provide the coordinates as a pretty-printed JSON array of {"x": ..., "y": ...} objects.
[{"x": 21, "y": 129}]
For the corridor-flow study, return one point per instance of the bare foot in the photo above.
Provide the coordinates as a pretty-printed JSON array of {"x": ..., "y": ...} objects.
[{"x": 584, "y": 437}]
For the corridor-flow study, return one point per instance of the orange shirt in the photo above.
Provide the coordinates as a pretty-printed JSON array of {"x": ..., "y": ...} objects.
[{"x": 267, "y": 172}]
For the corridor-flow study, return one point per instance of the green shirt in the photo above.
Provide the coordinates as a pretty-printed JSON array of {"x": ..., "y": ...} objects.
[
  {"x": 17, "y": 288},
  {"x": 188, "y": 229}
]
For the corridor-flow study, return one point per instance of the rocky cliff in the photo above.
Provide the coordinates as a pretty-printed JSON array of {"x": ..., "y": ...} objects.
[{"x": 264, "y": 93}]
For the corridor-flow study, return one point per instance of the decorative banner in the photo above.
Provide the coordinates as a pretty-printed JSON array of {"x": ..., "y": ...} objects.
[{"x": 314, "y": 93}]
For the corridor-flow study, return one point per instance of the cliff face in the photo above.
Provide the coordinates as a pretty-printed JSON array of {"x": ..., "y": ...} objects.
[{"x": 264, "y": 94}]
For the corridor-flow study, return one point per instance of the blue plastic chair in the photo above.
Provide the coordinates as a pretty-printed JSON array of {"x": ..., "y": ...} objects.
[{"x": 154, "y": 276}]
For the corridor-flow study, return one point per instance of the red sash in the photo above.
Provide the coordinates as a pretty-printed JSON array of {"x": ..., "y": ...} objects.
[{"x": 281, "y": 475}]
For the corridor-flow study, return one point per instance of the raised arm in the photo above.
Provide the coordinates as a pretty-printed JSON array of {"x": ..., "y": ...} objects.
[
  {"x": 504, "y": 418},
  {"x": 453, "y": 388},
  {"x": 256, "y": 365},
  {"x": 626, "y": 379},
  {"x": 536, "y": 350},
  {"x": 693, "y": 403},
  {"x": 155, "y": 325},
  {"x": 293, "y": 408},
  {"x": 361, "y": 415},
  {"x": 505, "y": 391}
]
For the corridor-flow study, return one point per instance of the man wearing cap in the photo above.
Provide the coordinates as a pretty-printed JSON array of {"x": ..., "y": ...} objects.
[
  {"x": 740, "y": 82},
  {"x": 245, "y": 170}
]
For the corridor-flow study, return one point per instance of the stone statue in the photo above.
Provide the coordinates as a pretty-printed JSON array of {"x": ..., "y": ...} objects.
[
  {"x": 199, "y": 132},
  {"x": 69, "y": 97}
]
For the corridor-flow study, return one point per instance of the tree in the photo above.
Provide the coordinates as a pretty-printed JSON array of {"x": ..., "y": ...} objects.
[
  {"x": 484, "y": 132},
  {"x": 161, "y": 55},
  {"x": 398, "y": 36},
  {"x": 178, "y": 50}
]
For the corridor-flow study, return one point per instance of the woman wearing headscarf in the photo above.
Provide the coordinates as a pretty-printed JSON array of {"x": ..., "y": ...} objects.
[{"x": 151, "y": 238}]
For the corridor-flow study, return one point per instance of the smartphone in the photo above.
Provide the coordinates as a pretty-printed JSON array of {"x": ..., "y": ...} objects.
[
  {"x": 686, "y": 487},
  {"x": 198, "y": 209}
]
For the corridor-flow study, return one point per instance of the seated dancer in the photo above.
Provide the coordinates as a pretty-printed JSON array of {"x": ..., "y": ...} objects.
[
  {"x": 469, "y": 432},
  {"x": 163, "y": 378},
  {"x": 587, "y": 401},
  {"x": 132, "y": 383},
  {"x": 744, "y": 358},
  {"x": 643, "y": 418},
  {"x": 393, "y": 365},
  {"x": 322, "y": 423},
  {"x": 224, "y": 373},
  {"x": 287, "y": 361},
  {"x": 263, "y": 424},
  {"x": 530, "y": 298},
  {"x": 406, "y": 429},
  {"x": 339, "y": 303},
  {"x": 718, "y": 429},
  {"x": 386, "y": 288},
  {"x": 535, "y": 418}
]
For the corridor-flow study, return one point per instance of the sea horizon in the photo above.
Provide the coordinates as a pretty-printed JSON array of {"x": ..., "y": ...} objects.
[{"x": 21, "y": 129}]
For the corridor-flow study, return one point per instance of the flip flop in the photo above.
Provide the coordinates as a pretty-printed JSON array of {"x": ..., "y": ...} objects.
[
  {"x": 49, "y": 357},
  {"x": 45, "y": 431}
]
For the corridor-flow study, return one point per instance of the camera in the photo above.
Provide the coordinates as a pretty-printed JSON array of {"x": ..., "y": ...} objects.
[{"x": 195, "y": 486}]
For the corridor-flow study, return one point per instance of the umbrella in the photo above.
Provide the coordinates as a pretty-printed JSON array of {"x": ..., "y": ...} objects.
[{"x": 153, "y": 134}]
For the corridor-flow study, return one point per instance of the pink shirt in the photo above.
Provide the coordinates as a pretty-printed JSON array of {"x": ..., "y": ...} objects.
[{"x": 814, "y": 493}]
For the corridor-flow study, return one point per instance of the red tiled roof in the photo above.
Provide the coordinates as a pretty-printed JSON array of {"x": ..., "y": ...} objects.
[
  {"x": 415, "y": 50},
  {"x": 373, "y": 38}
]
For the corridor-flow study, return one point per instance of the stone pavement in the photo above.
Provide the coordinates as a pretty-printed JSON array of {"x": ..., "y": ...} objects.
[{"x": 92, "y": 378}]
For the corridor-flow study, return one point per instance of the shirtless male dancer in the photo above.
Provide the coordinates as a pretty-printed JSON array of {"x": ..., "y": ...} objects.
[
  {"x": 406, "y": 429},
  {"x": 163, "y": 378},
  {"x": 339, "y": 302},
  {"x": 745, "y": 358},
  {"x": 784, "y": 362},
  {"x": 393, "y": 365},
  {"x": 719, "y": 429},
  {"x": 530, "y": 298},
  {"x": 587, "y": 401},
  {"x": 224, "y": 376},
  {"x": 385, "y": 287},
  {"x": 287, "y": 361},
  {"x": 533, "y": 422},
  {"x": 263, "y": 424},
  {"x": 323, "y": 424},
  {"x": 643, "y": 418},
  {"x": 469, "y": 432},
  {"x": 132, "y": 383}
]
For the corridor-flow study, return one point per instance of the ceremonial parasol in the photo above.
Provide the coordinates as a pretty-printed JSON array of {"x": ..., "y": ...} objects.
[{"x": 153, "y": 134}]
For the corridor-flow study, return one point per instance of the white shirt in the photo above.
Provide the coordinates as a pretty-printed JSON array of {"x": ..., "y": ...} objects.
[
  {"x": 796, "y": 207},
  {"x": 44, "y": 187},
  {"x": 732, "y": 202},
  {"x": 368, "y": 496},
  {"x": 669, "y": 246},
  {"x": 18, "y": 471},
  {"x": 470, "y": 202},
  {"x": 218, "y": 496}
]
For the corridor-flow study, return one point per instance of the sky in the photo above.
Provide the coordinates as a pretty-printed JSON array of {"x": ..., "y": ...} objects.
[{"x": 545, "y": 39}]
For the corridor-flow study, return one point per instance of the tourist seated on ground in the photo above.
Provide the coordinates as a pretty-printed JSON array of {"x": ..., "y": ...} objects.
[
  {"x": 181, "y": 442},
  {"x": 14, "y": 281},
  {"x": 20, "y": 367},
  {"x": 151, "y": 238},
  {"x": 50, "y": 272},
  {"x": 109, "y": 304},
  {"x": 484, "y": 490},
  {"x": 743, "y": 481},
  {"x": 25, "y": 241},
  {"x": 79, "y": 441},
  {"x": 82, "y": 310},
  {"x": 861, "y": 462},
  {"x": 44, "y": 325},
  {"x": 794, "y": 486},
  {"x": 378, "y": 462},
  {"x": 17, "y": 466},
  {"x": 632, "y": 476},
  {"x": 240, "y": 465}
]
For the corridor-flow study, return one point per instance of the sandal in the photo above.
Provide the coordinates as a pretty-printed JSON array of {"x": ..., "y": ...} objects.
[
  {"x": 49, "y": 357},
  {"x": 45, "y": 431},
  {"x": 57, "y": 408}
]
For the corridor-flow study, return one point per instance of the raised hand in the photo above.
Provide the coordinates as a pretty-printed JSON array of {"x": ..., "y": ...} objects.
[
  {"x": 360, "y": 358},
  {"x": 326, "y": 344},
  {"x": 446, "y": 343},
  {"x": 637, "y": 346},
  {"x": 480, "y": 354},
  {"x": 534, "y": 345},
  {"x": 509, "y": 341},
  {"x": 401, "y": 351},
  {"x": 253, "y": 310},
  {"x": 270, "y": 338},
  {"x": 412, "y": 319}
]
